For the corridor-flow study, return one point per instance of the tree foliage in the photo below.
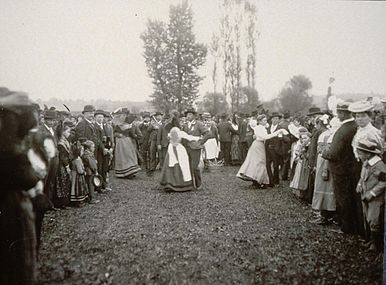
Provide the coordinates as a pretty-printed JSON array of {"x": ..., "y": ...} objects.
[
  {"x": 249, "y": 99},
  {"x": 214, "y": 103},
  {"x": 294, "y": 96},
  {"x": 173, "y": 57}
]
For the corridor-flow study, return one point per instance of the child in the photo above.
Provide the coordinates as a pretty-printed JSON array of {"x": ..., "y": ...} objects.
[
  {"x": 372, "y": 192},
  {"x": 78, "y": 183},
  {"x": 90, "y": 165},
  {"x": 299, "y": 181}
]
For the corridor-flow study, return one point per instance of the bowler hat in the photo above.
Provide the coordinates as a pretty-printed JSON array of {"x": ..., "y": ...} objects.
[
  {"x": 88, "y": 108},
  {"x": 368, "y": 146},
  {"x": 275, "y": 114},
  {"x": 100, "y": 112},
  {"x": 191, "y": 111},
  {"x": 50, "y": 115},
  {"x": 314, "y": 111},
  {"x": 146, "y": 114}
]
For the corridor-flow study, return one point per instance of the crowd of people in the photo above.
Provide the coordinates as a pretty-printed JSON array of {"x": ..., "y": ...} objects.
[{"x": 51, "y": 160}]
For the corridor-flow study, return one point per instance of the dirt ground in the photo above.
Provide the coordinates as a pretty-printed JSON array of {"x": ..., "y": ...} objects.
[{"x": 227, "y": 233}]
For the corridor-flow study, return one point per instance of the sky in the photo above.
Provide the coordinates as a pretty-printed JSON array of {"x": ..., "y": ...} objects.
[{"x": 92, "y": 49}]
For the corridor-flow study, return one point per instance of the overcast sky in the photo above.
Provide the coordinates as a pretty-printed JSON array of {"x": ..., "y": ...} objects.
[{"x": 91, "y": 48}]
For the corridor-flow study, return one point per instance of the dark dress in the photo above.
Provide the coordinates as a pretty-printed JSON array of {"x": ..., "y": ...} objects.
[
  {"x": 79, "y": 190},
  {"x": 63, "y": 180},
  {"x": 172, "y": 178},
  {"x": 18, "y": 243}
]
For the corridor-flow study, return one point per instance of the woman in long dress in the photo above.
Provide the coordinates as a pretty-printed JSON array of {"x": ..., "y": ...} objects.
[
  {"x": 176, "y": 174},
  {"x": 254, "y": 167},
  {"x": 63, "y": 180},
  {"x": 126, "y": 160}
]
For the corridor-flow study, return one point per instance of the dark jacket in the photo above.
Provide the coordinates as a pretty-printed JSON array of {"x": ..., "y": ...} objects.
[
  {"x": 225, "y": 131},
  {"x": 243, "y": 130},
  {"x": 162, "y": 137},
  {"x": 197, "y": 129},
  {"x": 85, "y": 130},
  {"x": 340, "y": 154}
]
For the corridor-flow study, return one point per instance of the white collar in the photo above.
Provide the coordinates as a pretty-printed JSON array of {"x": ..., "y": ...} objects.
[
  {"x": 373, "y": 160},
  {"x": 348, "y": 120}
]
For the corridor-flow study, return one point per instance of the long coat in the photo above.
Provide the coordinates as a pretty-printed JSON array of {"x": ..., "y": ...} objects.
[{"x": 340, "y": 154}]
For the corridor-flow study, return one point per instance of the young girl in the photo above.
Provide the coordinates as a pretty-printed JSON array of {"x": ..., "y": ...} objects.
[
  {"x": 79, "y": 189},
  {"x": 299, "y": 181},
  {"x": 90, "y": 165},
  {"x": 176, "y": 174}
]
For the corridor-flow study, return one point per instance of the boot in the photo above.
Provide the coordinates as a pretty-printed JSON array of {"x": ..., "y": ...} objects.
[{"x": 378, "y": 241}]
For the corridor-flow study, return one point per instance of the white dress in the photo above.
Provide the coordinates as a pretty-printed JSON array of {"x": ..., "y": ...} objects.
[{"x": 254, "y": 167}]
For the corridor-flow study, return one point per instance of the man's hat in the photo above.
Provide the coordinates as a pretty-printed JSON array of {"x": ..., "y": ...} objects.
[
  {"x": 157, "y": 114},
  {"x": 50, "y": 115},
  {"x": 146, "y": 114},
  {"x": 100, "y": 112},
  {"x": 286, "y": 115},
  {"x": 343, "y": 107},
  {"x": 206, "y": 115},
  {"x": 274, "y": 114},
  {"x": 368, "y": 146},
  {"x": 191, "y": 111},
  {"x": 88, "y": 108},
  {"x": 360, "y": 107},
  {"x": 314, "y": 111}
]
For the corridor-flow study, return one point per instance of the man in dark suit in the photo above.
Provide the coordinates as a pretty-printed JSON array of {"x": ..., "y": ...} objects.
[
  {"x": 162, "y": 139},
  {"x": 102, "y": 149},
  {"x": 195, "y": 128},
  {"x": 48, "y": 128},
  {"x": 85, "y": 130},
  {"x": 273, "y": 150},
  {"x": 344, "y": 169},
  {"x": 225, "y": 131},
  {"x": 285, "y": 147},
  {"x": 144, "y": 141}
]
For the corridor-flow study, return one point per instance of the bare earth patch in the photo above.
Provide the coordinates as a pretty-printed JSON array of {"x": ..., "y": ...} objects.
[{"x": 227, "y": 233}]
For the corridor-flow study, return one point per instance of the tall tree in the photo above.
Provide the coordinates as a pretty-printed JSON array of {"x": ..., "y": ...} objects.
[
  {"x": 173, "y": 58},
  {"x": 252, "y": 34},
  {"x": 230, "y": 31},
  {"x": 215, "y": 52},
  {"x": 156, "y": 58},
  {"x": 294, "y": 97}
]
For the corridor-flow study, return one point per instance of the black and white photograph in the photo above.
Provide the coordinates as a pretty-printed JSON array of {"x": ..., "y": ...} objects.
[{"x": 192, "y": 142}]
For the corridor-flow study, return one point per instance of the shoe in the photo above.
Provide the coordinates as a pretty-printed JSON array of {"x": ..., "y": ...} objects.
[
  {"x": 108, "y": 189},
  {"x": 94, "y": 202},
  {"x": 200, "y": 187}
]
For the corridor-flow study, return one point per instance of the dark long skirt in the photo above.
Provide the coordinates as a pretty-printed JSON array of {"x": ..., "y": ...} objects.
[
  {"x": 18, "y": 255},
  {"x": 62, "y": 188},
  {"x": 172, "y": 179}
]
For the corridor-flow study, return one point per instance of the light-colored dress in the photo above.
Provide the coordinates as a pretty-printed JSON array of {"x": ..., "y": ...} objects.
[
  {"x": 323, "y": 198},
  {"x": 254, "y": 167}
]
